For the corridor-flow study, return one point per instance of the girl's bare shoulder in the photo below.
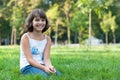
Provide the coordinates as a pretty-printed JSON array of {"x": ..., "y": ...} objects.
[
  {"x": 48, "y": 38},
  {"x": 24, "y": 37}
]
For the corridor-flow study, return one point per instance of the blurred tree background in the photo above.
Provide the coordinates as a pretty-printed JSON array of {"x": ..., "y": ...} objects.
[{"x": 72, "y": 21}]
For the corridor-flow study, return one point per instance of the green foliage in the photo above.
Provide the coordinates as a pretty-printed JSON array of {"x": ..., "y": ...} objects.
[
  {"x": 4, "y": 20},
  {"x": 108, "y": 23},
  {"x": 79, "y": 24},
  {"x": 4, "y": 27},
  {"x": 53, "y": 12},
  {"x": 113, "y": 24},
  {"x": 105, "y": 25},
  {"x": 67, "y": 9},
  {"x": 14, "y": 12},
  {"x": 78, "y": 21}
]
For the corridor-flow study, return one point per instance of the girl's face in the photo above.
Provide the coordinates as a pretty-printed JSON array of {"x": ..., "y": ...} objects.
[{"x": 38, "y": 24}]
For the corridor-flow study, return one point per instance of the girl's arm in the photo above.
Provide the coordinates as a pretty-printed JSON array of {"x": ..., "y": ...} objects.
[
  {"x": 47, "y": 52},
  {"x": 26, "y": 48},
  {"x": 47, "y": 56}
]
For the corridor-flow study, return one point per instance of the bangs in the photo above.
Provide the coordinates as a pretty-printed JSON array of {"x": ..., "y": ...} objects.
[{"x": 39, "y": 13}]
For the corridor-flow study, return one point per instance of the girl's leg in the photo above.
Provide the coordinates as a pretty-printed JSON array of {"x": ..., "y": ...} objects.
[
  {"x": 58, "y": 73},
  {"x": 33, "y": 70}
]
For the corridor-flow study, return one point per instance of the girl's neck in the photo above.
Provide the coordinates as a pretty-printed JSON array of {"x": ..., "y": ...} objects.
[{"x": 37, "y": 33}]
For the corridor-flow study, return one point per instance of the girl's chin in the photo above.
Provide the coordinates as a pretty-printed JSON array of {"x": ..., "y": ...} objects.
[{"x": 38, "y": 30}]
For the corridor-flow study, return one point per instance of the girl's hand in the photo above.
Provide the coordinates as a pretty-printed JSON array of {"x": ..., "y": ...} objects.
[
  {"x": 52, "y": 69},
  {"x": 46, "y": 69}
]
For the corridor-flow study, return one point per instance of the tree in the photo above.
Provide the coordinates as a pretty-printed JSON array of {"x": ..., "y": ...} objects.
[
  {"x": 78, "y": 23},
  {"x": 53, "y": 15},
  {"x": 89, "y": 6},
  {"x": 70, "y": 16},
  {"x": 19, "y": 10},
  {"x": 5, "y": 29},
  {"x": 66, "y": 8},
  {"x": 113, "y": 28},
  {"x": 105, "y": 25},
  {"x": 115, "y": 10}
]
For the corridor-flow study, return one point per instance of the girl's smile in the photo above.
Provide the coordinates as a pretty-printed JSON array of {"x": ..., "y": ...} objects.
[{"x": 39, "y": 23}]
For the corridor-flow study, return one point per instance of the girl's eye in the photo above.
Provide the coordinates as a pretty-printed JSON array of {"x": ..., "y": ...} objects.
[
  {"x": 37, "y": 19},
  {"x": 42, "y": 19}
]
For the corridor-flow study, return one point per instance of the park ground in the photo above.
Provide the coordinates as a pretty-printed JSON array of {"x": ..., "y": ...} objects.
[{"x": 74, "y": 62}]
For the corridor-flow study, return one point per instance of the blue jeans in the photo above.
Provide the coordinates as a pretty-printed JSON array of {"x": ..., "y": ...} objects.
[{"x": 33, "y": 70}]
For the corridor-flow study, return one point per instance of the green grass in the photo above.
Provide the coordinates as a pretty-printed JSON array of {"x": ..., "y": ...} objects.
[{"x": 75, "y": 63}]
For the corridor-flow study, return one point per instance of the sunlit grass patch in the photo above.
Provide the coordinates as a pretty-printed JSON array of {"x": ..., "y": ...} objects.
[{"x": 79, "y": 63}]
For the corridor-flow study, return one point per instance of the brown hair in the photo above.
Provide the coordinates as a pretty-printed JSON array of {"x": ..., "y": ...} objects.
[{"x": 35, "y": 13}]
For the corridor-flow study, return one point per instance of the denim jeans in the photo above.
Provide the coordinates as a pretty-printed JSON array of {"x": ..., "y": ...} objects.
[{"x": 33, "y": 70}]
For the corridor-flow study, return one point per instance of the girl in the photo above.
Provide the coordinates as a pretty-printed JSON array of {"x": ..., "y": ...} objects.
[{"x": 35, "y": 46}]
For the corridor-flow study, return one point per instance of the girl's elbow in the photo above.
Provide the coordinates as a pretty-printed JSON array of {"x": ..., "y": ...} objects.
[{"x": 30, "y": 60}]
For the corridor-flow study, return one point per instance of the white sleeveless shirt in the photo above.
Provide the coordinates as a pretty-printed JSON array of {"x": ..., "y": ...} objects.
[{"x": 37, "y": 49}]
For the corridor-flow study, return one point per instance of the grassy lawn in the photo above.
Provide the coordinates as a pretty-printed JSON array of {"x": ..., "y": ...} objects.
[{"x": 75, "y": 63}]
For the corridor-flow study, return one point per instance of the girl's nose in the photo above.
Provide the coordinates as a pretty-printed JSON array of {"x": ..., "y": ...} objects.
[{"x": 40, "y": 22}]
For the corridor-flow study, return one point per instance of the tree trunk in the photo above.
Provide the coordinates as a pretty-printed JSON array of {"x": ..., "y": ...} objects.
[
  {"x": 90, "y": 28},
  {"x": 0, "y": 40},
  {"x": 114, "y": 38},
  {"x": 80, "y": 38},
  {"x": 106, "y": 38},
  {"x": 13, "y": 36},
  {"x": 76, "y": 37},
  {"x": 68, "y": 30},
  {"x": 56, "y": 32}
]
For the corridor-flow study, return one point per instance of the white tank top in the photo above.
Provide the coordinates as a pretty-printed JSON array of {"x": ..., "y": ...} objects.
[{"x": 37, "y": 49}]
